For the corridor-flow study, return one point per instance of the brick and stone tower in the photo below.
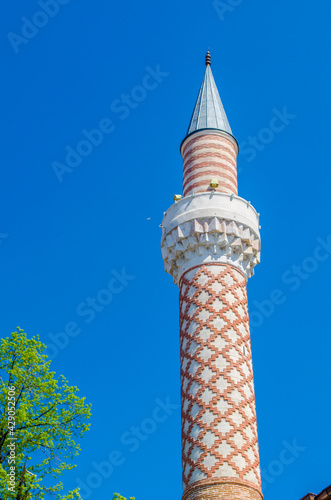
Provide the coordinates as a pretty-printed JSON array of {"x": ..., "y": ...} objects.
[{"x": 210, "y": 245}]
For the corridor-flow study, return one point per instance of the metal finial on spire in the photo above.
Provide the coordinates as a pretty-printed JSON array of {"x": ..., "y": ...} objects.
[{"x": 209, "y": 111}]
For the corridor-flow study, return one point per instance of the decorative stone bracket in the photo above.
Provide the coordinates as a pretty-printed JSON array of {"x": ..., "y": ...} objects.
[{"x": 223, "y": 237}]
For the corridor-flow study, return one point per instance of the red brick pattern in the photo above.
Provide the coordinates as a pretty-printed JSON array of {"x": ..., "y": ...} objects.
[
  {"x": 194, "y": 171},
  {"x": 203, "y": 186},
  {"x": 226, "y": 489},
  {"x": 192, "y": 144},
  {"x": 219, "y": 434},
  {"x": 208, "y": 156}
]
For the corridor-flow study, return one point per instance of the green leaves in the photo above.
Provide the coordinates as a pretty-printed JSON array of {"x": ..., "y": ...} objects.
[
  {"x": 117, "y": 496},
  {"x": 50, "y": 416}
]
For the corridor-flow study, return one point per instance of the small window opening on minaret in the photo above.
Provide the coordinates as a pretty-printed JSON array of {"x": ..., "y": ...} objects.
[{"x": 244, "y": 350}]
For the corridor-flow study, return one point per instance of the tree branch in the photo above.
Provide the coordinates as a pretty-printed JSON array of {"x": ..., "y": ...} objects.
[{"x": 42, "y": 414}]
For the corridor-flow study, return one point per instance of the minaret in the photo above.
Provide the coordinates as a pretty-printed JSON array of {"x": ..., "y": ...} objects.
[{"x": 210, "y": 245}]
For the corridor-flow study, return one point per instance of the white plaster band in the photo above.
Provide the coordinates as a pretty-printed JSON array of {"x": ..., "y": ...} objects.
[
  {"x": 222, "y": 205},
  {"x": 210, "y": 228}
]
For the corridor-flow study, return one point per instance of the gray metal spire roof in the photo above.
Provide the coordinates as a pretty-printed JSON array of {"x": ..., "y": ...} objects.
[{"x": 209, "y": 111}]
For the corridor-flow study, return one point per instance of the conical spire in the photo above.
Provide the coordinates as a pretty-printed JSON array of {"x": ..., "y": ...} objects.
[{"x": 209, "y": 111}]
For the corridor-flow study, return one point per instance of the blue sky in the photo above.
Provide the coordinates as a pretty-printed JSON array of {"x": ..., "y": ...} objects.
[{"x": 126, "y": 76}]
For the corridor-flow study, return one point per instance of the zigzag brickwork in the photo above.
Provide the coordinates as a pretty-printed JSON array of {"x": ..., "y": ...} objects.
[{"x": 219, "y": 433}]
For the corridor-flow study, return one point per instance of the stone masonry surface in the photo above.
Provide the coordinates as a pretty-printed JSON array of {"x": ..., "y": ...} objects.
[
  {"x": 219, "y": 434},
  {"x": 225, "y": 489},
  {"x": 206, "y": 157}
]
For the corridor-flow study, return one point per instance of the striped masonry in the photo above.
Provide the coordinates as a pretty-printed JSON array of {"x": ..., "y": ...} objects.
[{"x": 207, "y": 156}]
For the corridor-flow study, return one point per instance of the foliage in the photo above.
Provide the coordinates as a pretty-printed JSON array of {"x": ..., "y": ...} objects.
[
  {"x": 117, "y": 496},
  {"x": 49, "y": 417}
]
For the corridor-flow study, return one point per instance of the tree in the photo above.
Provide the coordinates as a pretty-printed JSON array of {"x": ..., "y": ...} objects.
[
  {"x": 40, "y": 421},
  {"x": 117, "y": 496}
]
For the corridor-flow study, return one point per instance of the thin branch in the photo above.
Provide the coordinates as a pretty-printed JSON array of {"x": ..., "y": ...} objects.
[
  {"x": 3, "y": 439},
  {"x": 19, "y": 496},
  {"x": 19, "y": 396},
  {"x": 41, "y": 424},
  {"x": 42, "y": 414},
  {"x": 11, "y": 369}
]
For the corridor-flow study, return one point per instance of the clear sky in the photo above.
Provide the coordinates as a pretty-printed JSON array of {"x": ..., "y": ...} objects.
[{"x": 123, "y": 78}]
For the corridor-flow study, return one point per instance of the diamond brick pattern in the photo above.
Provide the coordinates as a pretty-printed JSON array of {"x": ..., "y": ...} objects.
[{"x": 219, "y": 434}]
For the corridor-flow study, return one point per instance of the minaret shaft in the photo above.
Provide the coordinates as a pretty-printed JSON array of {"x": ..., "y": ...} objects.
[
  {"x": 210, "y": 245},
  {"x": 219, "y": 434},
  {"x": 209, "y": 154}
]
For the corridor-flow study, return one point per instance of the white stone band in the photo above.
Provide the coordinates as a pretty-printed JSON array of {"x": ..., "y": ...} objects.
[{"x": 210, "y": 228}]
